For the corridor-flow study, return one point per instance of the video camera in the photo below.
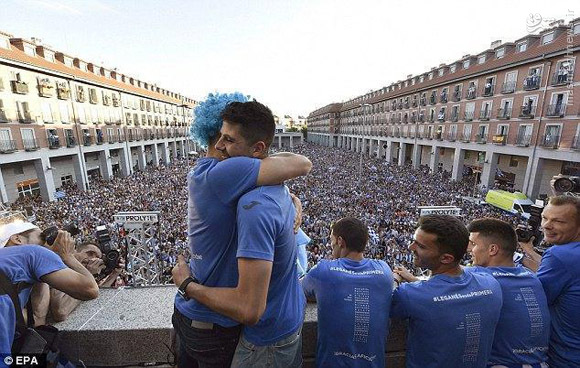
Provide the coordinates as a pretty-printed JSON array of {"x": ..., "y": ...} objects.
[
  {"x": 566, "y": 184},
  {"x": 49, "y": 235},
  {"x": 110, "y": 253},
  {"x": 532, "y": 229}
]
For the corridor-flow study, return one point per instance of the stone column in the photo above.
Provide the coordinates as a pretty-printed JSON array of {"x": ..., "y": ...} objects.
[
  {"x": 533, "y": 177},
  {"x": 141, "y": 159},
  {"x": 155, "y": 153},
  {"x": 125, "y": 161},
  {"x": 390, "y": 148},
  {"x": 105, "y": 164},
  {"x": 45, "y": 178},
  {"x": 79, "y": 169},
  {"x": 280, "y": 142},
  {"x": 291, "y": 142},
  {"x": 165, "y": 153},
  {"x": 489, "y": 169},
  {"x": 402, "y": 151},
  {"x": 416, "y": 155},
  {"x": 458, "y": 159},
  {"x": 3, "y": 192},
  {"x": 434, "y": 160}
]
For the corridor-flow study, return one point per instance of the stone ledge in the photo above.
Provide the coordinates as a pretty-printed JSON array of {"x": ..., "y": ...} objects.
[{"x": 131, "y": 326}]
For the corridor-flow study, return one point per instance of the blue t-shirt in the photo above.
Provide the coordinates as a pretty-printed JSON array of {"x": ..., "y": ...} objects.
[
  {"x": 22, "y": 263},
  {"x": 523, "y": 330},
  {"x": 559, "y": 273},
  {"x": 214, "y": 189},
  {"x": 265, "y": 231},
  {"x": 451, "y": 319},
  {"x": 354, "y": 299}
]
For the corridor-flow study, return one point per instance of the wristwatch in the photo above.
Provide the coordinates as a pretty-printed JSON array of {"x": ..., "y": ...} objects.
[{"x": 183, "y": 286}]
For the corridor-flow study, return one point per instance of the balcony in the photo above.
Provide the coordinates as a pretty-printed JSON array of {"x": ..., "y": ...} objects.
[
  {"x": 3, "y": 117},
  {"x": 488, "y": 90},
  {"x": 485, "y": 115},
  {"x": 523, "y": 140},
  {"x": 421, "y": 118},
  {"x": 454, "y": 117},
  {"x": 432, "y": 119},
  {"x": 481, "y": 138},
  {"x": 560, "y": 78},
  {"x": 457, "y": 96},
  {"x": 406, "y": 104},
  {"x": 508, "y": 87},
  {"x": 25, "y": 118},
  {"x": 100, "y": 139},
  {"x": 443, "y": 98},
  {"x": 423, "y": 101},
  {"x": 532, "y": 82},
  {"x": 70, "y": 141},
  {"x": 112, "y": 139},
  {"x": 438, "y": 136},
  {"x": 550, "y": 141},
  {"x": 452, "y": 136},
  {"x": 400, "y": 105},
  {"x": 556, "y": 111},
  {"x": 576, "y": 143},
  {"x": 19, "y": 87},
  {"x": 504, "y": 113},
  {"x": 527, "y": 112},
  {"x": 468, "y": 116},
  {"x": 87, "y": 140},
  {"x": 499, "y": 139},
  {"x": 471, "y": 93},
  {"x": 30, "y": 144},
  {"x": 441, "y": 116},
  {"x": 53, "y": 142},
  {"x": 465, "y": 137},
  {"x": 420, "y": 135},
  {"x": 413, "y": 119},
  {"x": 432, "y": 100},
  {"x": 7, "y": 146},
  {"x": 429, "y": 135},
  {"x": 414, "y": 103}
]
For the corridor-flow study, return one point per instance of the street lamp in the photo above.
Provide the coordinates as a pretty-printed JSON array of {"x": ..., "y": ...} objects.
[{"x": 362, "y": 106}]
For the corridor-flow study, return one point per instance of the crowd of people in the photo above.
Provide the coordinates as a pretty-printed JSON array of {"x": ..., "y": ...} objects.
[{"x": 385, "y": 197}]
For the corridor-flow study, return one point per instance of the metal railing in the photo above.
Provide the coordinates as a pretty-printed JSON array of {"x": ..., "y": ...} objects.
[
  {"x": 87, "y": 140},
  {"x": 70, "y": 141},
  {"x": 504, "y": 113},
  {"x": 550, "y": 141},
  {"x": 7, "y": 146},
  {"x": 465, "y": 138},
  {"x": 468, "y": 116},
  {"x": 443, "y": 98},
  {"x": 53, "y": 142},
  {"x": 457, "y": 96},
  {"x": 471, "y": 93},
  {"x": 523, "y": 140},
  {"x": 559, "y": 79},
  {"x": 527, "y": 112},
  {"x": 532, "y": 82},
  {"x": 488, "y": 90},
  {"x": 508, "y": 87},
  {"x": 556, "y": 110},
  {"x": 451, "y": 136},
  {"x": 485, "y": 115},
  {"x": 576, "y": 143},
  {"x": 481, "y": 138},
  {"x": 30, "y": 144}
]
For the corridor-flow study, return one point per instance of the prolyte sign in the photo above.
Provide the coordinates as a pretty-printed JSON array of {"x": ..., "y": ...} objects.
[{"x": 136, "y": 217}]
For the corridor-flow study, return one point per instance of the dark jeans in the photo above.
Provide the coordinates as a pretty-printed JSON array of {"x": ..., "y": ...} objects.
[{"x": 204, "y": 348}]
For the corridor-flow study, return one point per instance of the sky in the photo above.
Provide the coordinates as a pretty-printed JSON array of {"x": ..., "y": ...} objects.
[{"x": 294, "y": 56}]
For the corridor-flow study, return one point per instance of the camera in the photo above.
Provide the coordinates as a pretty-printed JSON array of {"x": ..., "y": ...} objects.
[
  {"x": 110, "y": 253},
  {"x": 49, "y": 235},
  {"x": 532, "y": 229}
]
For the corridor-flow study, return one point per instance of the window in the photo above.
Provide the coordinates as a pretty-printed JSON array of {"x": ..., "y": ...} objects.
[
  {"x": 548, "y": 37},
  {"x": 29, "y": 50},
  {"x": 577, "y": 28},
  {"x": 441, "y": 71},
  {"x": 466, "y": 64},
  {"x": 28, "y": 138},
  {"x": 66, "y": 180},
  {"x": 500, "y": 53},
  {"x": 430, "y": 75},
  {"x": 421, "y": 79},
  {"x": 522, "y": 46},
  {"x": 452, "y": 68},
  {"x": 83, "y": 66},
  {"x": 68, "y": 62},
  {"x": 28, "y": 188},
  {"x": 481, "y": 59},
  {"x": 4, "y": 42},
  {"x": 64, "y": 113},
  {"x": 46, "y": 112},
  {"x": 49, "y": 55},
  {"x": 502, "y": 129}
]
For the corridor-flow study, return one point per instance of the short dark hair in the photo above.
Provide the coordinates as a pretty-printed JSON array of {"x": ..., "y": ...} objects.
[
  {"x": 353, "y": 231},
  {"x": 563, "y": 200},
  {"x": 498, "y": 232},
  {"x": 255, "y": 119},
  {"x": 452, "y": 235}
]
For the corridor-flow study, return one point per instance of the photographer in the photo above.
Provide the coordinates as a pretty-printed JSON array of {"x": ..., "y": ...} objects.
[
  {"x": 560, "y": 276},
  {"x": 24, "y": 261}
]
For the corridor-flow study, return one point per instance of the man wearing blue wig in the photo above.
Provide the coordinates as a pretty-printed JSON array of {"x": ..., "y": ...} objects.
[{"x": 208, "y": 338}]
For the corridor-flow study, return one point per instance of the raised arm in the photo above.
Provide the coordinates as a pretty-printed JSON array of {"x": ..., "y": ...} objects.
[
  {"x": 61, "y": 305},
  {"x": 282, "y": 166}
]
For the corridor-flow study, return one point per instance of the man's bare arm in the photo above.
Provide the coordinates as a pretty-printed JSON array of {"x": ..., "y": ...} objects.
[
  {"x": 40, "y": 298},
  {"x": 277, "y": 168},
  {"x": 245, "y": 303},
  {"x": 61, "y": 305}
]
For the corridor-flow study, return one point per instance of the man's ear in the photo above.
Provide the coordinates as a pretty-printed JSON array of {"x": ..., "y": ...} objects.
[
  {"x": 493, "y": 249},
  {"x": 260, "y": 149},
  {"x": 16, "y": 239},
  {"x": 341, "y": 242},
  {"x": 447, "y": 258}
]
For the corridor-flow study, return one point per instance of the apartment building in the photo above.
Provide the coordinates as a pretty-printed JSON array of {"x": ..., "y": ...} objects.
[
  {"x": 68, "y": 120},
  {"x": 507, "y": 114}
]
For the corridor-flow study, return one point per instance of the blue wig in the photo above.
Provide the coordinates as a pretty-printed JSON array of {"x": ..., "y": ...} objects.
[{"x": 206, "y": 121}]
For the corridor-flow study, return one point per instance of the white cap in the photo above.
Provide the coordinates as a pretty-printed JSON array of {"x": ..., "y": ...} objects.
[{"x": 13, "y": 228}]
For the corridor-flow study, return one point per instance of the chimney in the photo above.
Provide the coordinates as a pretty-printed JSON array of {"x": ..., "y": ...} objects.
[{"x": 495, "y": 44}]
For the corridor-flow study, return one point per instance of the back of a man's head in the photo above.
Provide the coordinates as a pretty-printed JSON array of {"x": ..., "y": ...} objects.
[
  {"x": 354, "y": 233},
  {"x": 495, "y": 231},
  {"x": 255, "y": 120},
  {"x": 452, "y": 235}
]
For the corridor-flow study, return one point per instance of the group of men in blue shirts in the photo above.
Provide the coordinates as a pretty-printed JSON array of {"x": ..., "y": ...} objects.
[{"x": 240, "y": 301}]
